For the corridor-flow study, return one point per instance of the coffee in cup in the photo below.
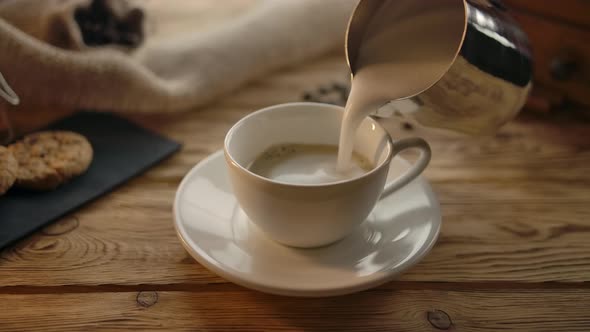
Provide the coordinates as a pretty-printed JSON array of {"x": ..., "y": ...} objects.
[
  {"x": 293, "y": 196},
  {"x": 307, "y": 164}
]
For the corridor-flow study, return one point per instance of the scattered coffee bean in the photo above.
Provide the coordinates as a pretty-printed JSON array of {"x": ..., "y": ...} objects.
[
  {"x": 335, "y": 93},
  {"x": 407, "y": 126},
  {"x": 340, "y": 87}
]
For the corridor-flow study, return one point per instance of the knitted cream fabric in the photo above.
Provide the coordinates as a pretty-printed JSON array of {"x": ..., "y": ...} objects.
[{"x": 45, "y": 60}]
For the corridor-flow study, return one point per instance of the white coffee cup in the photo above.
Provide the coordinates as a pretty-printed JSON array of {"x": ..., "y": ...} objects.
[{"x": 320, "y": 214}]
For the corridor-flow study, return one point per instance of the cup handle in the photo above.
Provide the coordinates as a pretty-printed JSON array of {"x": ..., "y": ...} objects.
[{"x": 415, "y": 170}]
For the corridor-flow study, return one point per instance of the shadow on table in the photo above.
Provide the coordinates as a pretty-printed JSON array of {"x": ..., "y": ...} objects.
[{"x": 373, "y": 310}]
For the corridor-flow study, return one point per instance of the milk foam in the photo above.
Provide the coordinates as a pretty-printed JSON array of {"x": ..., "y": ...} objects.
[{"x": 306, "y": 164}]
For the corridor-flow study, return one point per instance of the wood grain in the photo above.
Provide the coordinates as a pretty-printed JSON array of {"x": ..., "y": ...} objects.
[
  {"x": 238, "y": 309},
  {"x": 513, "y": 253},
  {"x": 478, "y": 243},
  {"x": 515, "y": 204}
]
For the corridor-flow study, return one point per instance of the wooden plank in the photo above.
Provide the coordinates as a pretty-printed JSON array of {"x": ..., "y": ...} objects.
[
  {"x": 518, "y": 243},
  {"x": 232, "y": 309},
  {"x": 512, "y": 255},
  {"x": 530, "y": 178},
  {"x": 128, "y": 239},
  {"x": 487, "y": 186}
]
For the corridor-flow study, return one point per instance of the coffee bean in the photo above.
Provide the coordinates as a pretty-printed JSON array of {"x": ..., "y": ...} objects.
[
  {"x": 407, "y": 126},
  {"x": 106, "y": 22},
  {"x": 339, "y": 87},
  {"x": 307, "y": 96}
]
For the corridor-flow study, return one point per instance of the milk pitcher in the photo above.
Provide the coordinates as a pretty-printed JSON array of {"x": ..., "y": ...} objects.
[{"x": 487, "y": 71}]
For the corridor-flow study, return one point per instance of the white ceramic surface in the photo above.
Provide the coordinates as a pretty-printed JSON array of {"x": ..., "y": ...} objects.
[
  {"x": 399, "y": 232},
  {"x": 312, "y": 215}
]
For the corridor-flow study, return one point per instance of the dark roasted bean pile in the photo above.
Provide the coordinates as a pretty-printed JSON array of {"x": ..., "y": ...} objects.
[{"x": 107, "y": 22}]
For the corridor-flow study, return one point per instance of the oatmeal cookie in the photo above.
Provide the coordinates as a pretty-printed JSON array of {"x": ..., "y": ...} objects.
[
  {"x": 51, "y": 158},
  {"x": 8, "y": 169}
]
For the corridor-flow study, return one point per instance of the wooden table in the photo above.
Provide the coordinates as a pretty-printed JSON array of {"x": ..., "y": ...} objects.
[{"x": 514, "y": 252}]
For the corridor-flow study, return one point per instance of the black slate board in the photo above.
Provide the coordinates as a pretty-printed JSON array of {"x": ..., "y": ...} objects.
[{"x": 121, "y": 150}]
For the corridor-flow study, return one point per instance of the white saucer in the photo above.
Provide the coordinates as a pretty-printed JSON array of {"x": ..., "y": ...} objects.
[{"x": 215, "y": 231}]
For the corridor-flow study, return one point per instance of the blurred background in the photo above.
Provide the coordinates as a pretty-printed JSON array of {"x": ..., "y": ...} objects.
[{"x": 559, "y": 32}]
